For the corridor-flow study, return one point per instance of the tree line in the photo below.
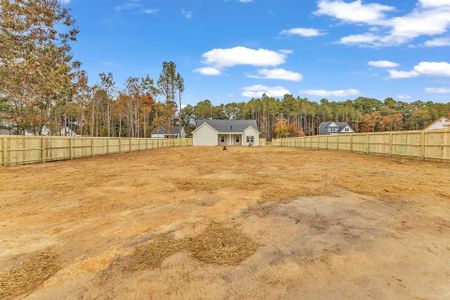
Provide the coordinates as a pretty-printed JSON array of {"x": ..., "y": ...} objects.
[
  {"x": 295, "y": 116},
  {"x": 42, "y": 87}
]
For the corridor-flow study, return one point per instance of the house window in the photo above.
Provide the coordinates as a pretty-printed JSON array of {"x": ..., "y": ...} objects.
[
  {"x": 222, "y": 139},
  {"x": 333, "y": 129},
  {"x": 250, "y": 140},
  {"x": 238, "y": 139}
]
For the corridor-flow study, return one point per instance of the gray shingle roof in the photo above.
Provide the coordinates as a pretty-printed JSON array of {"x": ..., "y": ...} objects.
[
  {"x": 324, "y": 126},
  {"x": 174, "y": 130},
  {"x": 230, "y": 125}
]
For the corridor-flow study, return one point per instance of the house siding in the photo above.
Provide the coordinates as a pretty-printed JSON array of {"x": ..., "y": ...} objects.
[
  {"x": 205, "y": 136},
  {"x": 251, "y": 132}
]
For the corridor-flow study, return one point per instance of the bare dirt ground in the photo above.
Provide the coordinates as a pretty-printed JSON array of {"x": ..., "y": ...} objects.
[{"x": 198, "y": 223}]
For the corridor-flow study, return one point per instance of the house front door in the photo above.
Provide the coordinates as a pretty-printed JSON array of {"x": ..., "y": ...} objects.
[{"x": 237, "y": 140}]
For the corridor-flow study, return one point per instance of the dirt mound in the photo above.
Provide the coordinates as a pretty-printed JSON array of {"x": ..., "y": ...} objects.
[
  {"x": 28, "y": 275},
  {"x": 216, "y": 245}
]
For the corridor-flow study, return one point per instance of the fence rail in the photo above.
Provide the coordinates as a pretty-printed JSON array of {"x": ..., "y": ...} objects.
[
  {"x": 19, "y": 150},
  {"x": 433, "y": 144}
]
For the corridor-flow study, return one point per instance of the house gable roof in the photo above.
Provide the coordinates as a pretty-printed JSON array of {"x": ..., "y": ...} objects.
[
  {"x": 175, "y": 130},
  {"x": 324, "y": 125},
  {"x": 229, "y": 126},
  {"x": 444, "y": 119}
]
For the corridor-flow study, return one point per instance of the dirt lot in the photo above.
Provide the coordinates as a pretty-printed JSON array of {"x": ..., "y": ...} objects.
[{"x": 194, "y": 223}]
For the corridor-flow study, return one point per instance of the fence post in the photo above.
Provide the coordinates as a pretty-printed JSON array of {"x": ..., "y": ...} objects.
[
  {"x": 70, "y": 148},
  {"x": 446, "y": 145},
  {"x": 422, "y": 144},
  {"x": 107, "y": 145},
  {"x": 351, "y": 142},
  {"x": 43, "y": 149},
  {"x": 129, "y": 145},
  {"x": 5, "y": 151},
  {"x": 368, "y": 144},
  {"x": 92, "y": 146},
  {"x": 391, "y": 143}
]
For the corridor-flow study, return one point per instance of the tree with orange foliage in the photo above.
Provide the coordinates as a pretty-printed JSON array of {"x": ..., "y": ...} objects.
[{"x": 281, "y": 128}]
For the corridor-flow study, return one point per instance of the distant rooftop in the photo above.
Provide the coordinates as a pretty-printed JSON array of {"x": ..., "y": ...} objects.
[{"x": 230, "y": 125}]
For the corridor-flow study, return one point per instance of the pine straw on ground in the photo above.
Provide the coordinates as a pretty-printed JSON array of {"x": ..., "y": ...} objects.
[
  {"x": 216, "y": 245},
  {"x": 28, "y": 275}
]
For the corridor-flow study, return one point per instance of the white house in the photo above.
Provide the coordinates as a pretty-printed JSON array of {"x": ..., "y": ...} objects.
[
  {"x": 176, "y": 132},
  {"x": 441, "y": 123},
  {"x": 334, "y": 128},
  {"x": 226, "y": 133}
]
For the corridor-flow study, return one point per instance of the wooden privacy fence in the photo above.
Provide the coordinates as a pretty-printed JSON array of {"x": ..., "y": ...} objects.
[
  {"x": 18, "y": 150},
  {"x": 433, "y": 144}
]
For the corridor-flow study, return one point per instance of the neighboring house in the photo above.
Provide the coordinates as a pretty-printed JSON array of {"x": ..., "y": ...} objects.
[
  {"x": 176, "y": 132},
  {"x": 44, "y": 132},
  {"x": 226, "y": 133},
  {"x": 5, "y": 131},
  {"x": 334, "y": 128},
  {"x": 441, "y": 123},
  {"x": 67, "y": 132}
]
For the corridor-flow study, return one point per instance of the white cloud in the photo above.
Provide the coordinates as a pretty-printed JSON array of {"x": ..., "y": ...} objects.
[
  {"x": 223, "y": 58},
  {"x": 432, "y": 69},
  {"x": 435, "y": 90},
  {"x": 304, "y": 32},
  {"x": 136, "y": 7},
  {"x": 353, "y": 12},
  {"x": 428, "y": 18},
  {"x": 280, "y": 74},
  {"x": 438, "y": 42},
  {"x": 403, "y": 97},
  {"x": 208, "y": 71},
  {"x": 246, "y": 1},
  {"x": 187, "y": 13},
  {"x": 256, "y": 91},
  {"x": 359, "y": 39},
  {"x": 331, "y": 93},
  {"x": 384, "y": 64},
  {"x": 434, "y": 3}
]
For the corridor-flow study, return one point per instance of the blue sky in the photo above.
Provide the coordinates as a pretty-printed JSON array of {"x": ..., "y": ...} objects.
[{"x": 231, "y": 50}]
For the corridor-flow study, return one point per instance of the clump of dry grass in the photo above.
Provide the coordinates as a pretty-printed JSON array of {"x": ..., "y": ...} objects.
[
  {"x": 28, "y": 275},
  {"x": 221, "y": 246},
  {"x": 216, "y": 245},
  {"x": 200, "y": 185},
  {"x": 153, "y": 254}
]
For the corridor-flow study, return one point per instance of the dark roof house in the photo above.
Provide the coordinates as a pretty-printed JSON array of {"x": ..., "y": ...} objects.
[{"x": 334, "y": 128}]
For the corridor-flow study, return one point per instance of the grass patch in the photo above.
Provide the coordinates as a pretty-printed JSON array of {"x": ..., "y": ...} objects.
[{"x": 28, "y": 275}]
